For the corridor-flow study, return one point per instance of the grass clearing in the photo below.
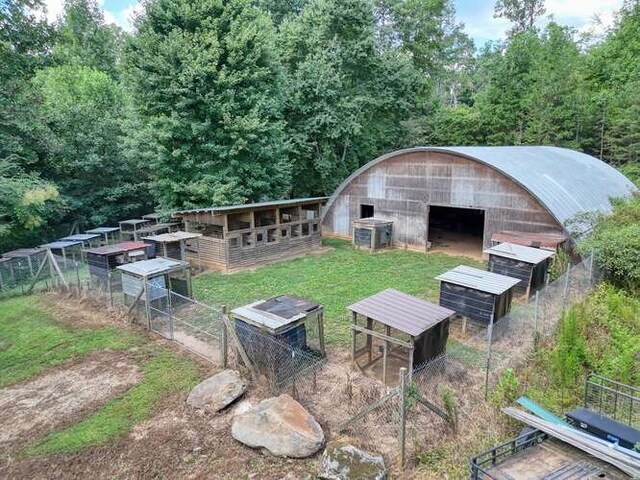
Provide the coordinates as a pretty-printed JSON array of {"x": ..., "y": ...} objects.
[
  {"x": 31, "y": 340},
  {"x": 165, "y": 373},
  {"x": 336, "y": 279}
]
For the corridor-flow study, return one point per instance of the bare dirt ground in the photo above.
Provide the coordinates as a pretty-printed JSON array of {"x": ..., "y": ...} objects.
[{"x": 61, "y": 396}]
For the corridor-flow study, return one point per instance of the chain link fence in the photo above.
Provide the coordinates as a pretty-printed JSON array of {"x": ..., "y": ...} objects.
[{"x": 449, "y": 393}]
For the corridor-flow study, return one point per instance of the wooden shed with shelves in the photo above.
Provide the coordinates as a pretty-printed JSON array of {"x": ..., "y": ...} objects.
[{"x": 242, "y": 236}]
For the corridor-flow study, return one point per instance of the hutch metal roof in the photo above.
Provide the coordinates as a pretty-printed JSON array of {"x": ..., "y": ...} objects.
[
  {"x": 476, "y": 279},
  {"x": 153, "y": 267},
  {"x": 103, "y": 230},
  {"x": 519, "y": 252},
  {"x": 117, "y": 248},
  {"x": 566, "y": 182},
  {"x": 401, "y": 311},
  {"x": 277, "y": 313},
  {"x": 23, "y": 252},
  {"x": 133, "y": 221},
  {"x": 80, "y": 237},
  {"x": 61, "y": 245},
  {"x": 173, "y": 237},
  {"x": 255, "y": 206}
]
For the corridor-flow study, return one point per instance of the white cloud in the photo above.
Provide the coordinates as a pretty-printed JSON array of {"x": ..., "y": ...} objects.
[{"x": 593, "y": 16}]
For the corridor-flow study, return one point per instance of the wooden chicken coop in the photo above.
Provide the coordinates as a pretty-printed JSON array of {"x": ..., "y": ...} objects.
[{"x": 242, "y": 236}]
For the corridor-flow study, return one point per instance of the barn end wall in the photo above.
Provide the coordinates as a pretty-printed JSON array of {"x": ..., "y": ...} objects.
[{"x": 403, "y": 186}]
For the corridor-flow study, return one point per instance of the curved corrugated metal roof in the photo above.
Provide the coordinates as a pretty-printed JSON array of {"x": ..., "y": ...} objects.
[{"x": 566, "y": 182}]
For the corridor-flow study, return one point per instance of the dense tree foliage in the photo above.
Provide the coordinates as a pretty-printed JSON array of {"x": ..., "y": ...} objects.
[{"x": 224, "y": 101}]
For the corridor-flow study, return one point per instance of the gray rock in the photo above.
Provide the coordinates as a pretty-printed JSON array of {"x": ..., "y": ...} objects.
[
  {"x": 280, "y": 425},
  {"x": 217, "y": 392},
  {"x": 341, "y": 461}
]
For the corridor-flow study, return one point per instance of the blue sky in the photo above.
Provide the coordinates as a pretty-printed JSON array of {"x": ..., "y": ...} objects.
[{"x": 477, "y": 15}]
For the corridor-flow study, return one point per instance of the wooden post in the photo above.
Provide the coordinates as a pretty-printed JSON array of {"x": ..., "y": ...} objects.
[
  {"x": 35, "y": 279},
  {"x": 354, "y": 319},
  {"x": 370, "y": 339},
  {"x": 403, "y": 413},
  {"x": 535, "y": 313},
  {"x": 53, "y": 262},
  {"x": 169, "y": 312},
  {"x": 385, "y": 353},
  {"x": 411, "y": 351},
  {"x": 224, "y": 341},
  {"x": 321, "y": 332}
]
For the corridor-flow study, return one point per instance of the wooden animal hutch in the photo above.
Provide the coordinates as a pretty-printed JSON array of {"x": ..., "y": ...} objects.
[
  {"x": 269, "y": 330},
  {"x": 71, "y": 250},
  {"x": 476, "y": 294},
  {"x": 154, "y": 217},
  {"x": 242, "y": 236},
  {"x": 183, "y": 246},
  {"x": 146, "y": 283},
  {"x": 529, "y": 265},
  {"x": 129, "y": 228},
  {"x": 108, "y": 234},
  {"x": 21, "y": 264},
  {"x": 103, "y": 260},
  {"x": 396, "y": 330},
  {"x": 88, "y": 240},
  {"x": 372, "y": 233}
]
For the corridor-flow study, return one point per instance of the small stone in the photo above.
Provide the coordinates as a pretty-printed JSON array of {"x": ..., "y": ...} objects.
[
  {"x": 280, "y": 425},
  {"x": 217, "y": 392},
  {"x": 342, "y": 461}
]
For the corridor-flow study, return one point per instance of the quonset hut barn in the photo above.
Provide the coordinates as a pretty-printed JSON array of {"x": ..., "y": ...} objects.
[{"x": 458, "y": 197}]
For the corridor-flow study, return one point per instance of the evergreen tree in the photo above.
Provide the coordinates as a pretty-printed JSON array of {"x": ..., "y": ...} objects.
[{"x": 208, "y": 87}]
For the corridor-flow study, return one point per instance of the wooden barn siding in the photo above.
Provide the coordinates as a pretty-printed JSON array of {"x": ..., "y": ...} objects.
[{"x": 401, "y": 189}]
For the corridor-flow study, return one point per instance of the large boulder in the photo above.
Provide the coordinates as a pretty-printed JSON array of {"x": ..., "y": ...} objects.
[
  {"x": 217, "y": 392},
  {"x": 281, "y": 425},
  {"x": 341, "y": 461}
]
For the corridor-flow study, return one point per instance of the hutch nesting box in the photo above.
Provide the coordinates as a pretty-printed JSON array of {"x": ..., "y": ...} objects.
[
  {"x": 241, "y": 236},
  {"x": 103, "y": 260},
  {"x": 529, "y": 265},
  {"x": 392, "y": 329},
  {"x": 476, "y": 294},
  {"x": 269, "y": 330},
  {"x": 372, "y": 233}
]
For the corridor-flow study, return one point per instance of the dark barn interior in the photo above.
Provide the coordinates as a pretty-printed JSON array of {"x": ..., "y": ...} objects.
[{"x": 458, "y": 230}]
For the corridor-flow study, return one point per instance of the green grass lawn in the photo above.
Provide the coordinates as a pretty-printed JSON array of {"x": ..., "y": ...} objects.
[
  {"x": 32, "y": 340},
  {"x": 336, "y": 279}
]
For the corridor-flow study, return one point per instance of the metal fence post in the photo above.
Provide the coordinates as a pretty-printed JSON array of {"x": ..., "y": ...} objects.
[
  {"x": 110, "y": 287},
  {"x": 169, "y": 308},
  {"x": 403, "y": 414},
  {"x": 489, "y": 341},
  {"x": 224, "y": 353},
  {"x": 535, "y": 313}
]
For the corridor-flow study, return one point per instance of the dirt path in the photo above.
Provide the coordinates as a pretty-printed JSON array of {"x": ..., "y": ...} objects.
[{"x": 62, "y": 396}]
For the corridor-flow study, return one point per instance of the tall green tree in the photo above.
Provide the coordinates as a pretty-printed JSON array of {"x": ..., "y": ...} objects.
[
  {"x": 83, "y": 38},
  {"x": 82, "y": 109},
  {"x": 346, "y": 96},
  {"x": 522, "y": 13},
  {"x": 209, "y": 92}
]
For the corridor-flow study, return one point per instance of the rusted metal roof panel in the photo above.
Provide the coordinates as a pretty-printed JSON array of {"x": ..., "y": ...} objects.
[
  {"x": 519, "y": 252},
  {"x": 481, "y": 280},
  {"x": 254, "y": 206},
  {"x": 542, "y": 240},
  {"x": 401, "y": 311}
]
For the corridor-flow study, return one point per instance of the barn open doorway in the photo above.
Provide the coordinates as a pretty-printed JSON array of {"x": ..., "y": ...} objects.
[{"x": 458, "y": 231}]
